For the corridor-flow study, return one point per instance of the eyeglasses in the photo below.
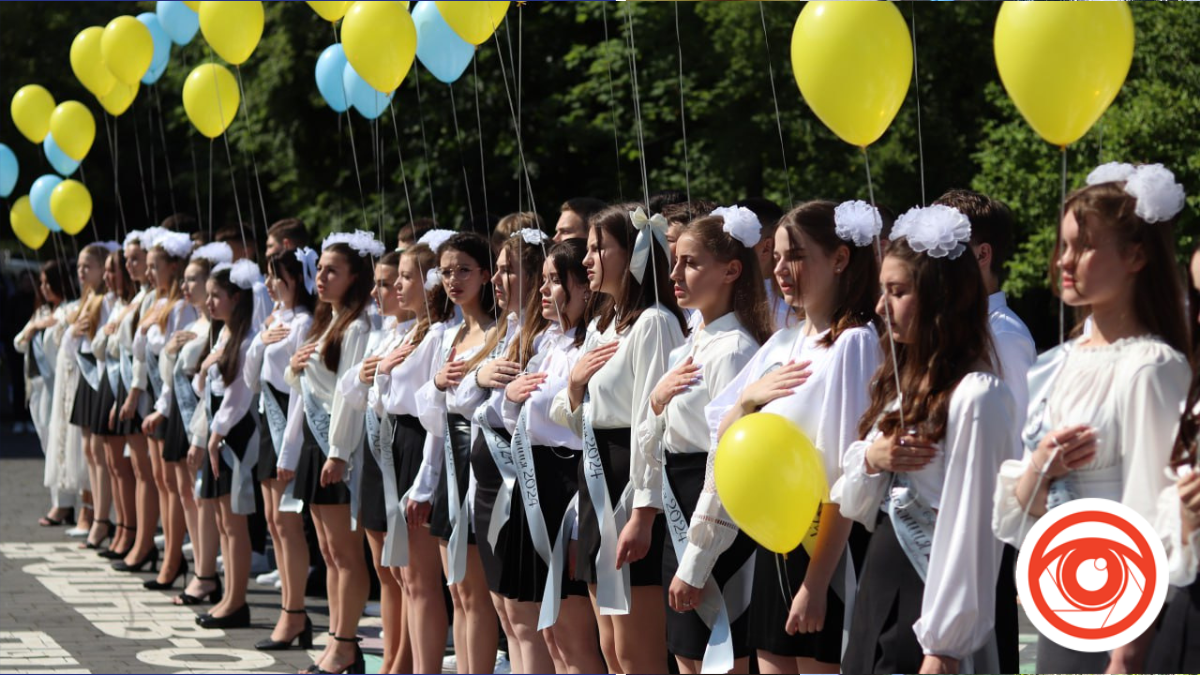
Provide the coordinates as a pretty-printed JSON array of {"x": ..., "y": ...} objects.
[{"x": 457, "y": 272}]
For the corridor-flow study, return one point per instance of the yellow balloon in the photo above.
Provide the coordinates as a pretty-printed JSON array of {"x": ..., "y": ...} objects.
[
  {"x": 71, "y": 205},
  {"x": 74, "y": 129},
  {"x": 31, "y": 108},
  {"x": 119, "y": 99},
  {"x": 473, "y": 21},
  {"x": 232, "y": 28},
  {"x": 771, "y": 480},
  {"x": 88, "y": 64},
  {"x": 26, "y": 225},
  {"x": 330, "y": 11},
  {"x": 853, "y": 62},
  {"x": 380, "y": 40},
  {"x": 210, "y": 98},
  {"x": 193, "y": 4},
  {"x": 1063, "y": 63},
  {"x": 127, "y": 49}
]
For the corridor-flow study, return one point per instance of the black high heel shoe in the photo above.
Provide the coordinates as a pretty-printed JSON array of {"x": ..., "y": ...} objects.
[
  {"x": 115, "y": 555},
  {"x": 357, "y": 666},
  {"x": 239, "y": 619},
  {"x": 108, "y": 532},
  {"x": 214, "y": 596},
  {"x": 154, "y": 585},
  {"x": 305, "y": 636},
  {"x": 151, "y": 559}
]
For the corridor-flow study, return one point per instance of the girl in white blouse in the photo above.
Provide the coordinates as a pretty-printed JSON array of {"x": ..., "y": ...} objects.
[
  {"x": 64, "y": 472},
  {"x": 939, "y": 424},
  {"x": 400, "y": 374},
  {"x": 554, "y": 452},
  {"x": 323, "y": 436},
  {"x": 716, "y": 274},
  {"x": 445, "y": 412},
  {"x": 817, "y": 375},
  {"x": 626, "y": 353},
  {"x": 1103, "y": 408},
  {"x": 291, "y": 278},
  {"x": 108, "y": 347}
]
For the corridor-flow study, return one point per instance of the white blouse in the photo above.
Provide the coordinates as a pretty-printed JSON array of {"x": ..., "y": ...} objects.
[
  {"x": 620, "y": 390},
  {"x": 345, "y": 427},
  {"x": 359, "y": 396},
  {"x": 183, "y": 316},
  {"x": 958, "y": 603},
  {"x": 236, "y": 396},
  {"x": 556, "y": 355},
  {"x": 721, "y": 349},
  {"x": 129, "y": 332},
  {"x": 1015, "y": 349},
  {"x": 103, "y": 347},
  {"x": 269, "y": 363},
  {"x": 1130, "y": 392},
  {"x": 827, "y": 407}
]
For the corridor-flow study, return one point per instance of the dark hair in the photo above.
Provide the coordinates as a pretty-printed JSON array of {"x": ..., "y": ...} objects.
[
  {"x": 748, "y": 297},
  {"x": 60, "y": 280},
  {"x": 1189, "y": 424},
  {"x": 287, "y": 264},
  {"x": 440, "y": 307},
  {"x": 685, "y": 212},
  {"x": 662, "y": 198},
  {"x": 1157, "y": 289},
  {"x": 239, "y": 322},
  {"x": 583, "y": 207},
  {"x": 513, "y": 223},
  {"x": 415, "y": 230},
  {"x": 127, "y": 290},
  {"x": 991, "y": 223},
  {"x": 857, "y": 285},
  {"x": 953, "y": 340},
  {"x": 567, "y": 257},
  {"x": 292, "y": 229},
  {"x": 180, "y": 222},
  {"x": 480, "y": 251},
  {"x": 353, "y": 305},
  {"x": 768, "y": 212},
  {"x": 230, "y": 234},
  {"x": 634, "y": 297}
]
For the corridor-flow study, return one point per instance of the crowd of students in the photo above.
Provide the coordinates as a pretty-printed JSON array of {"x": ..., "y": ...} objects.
[{"x": 530, "y": 421}]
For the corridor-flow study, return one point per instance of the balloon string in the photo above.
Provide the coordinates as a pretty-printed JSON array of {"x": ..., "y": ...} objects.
[
  {"x": 612, "y": 101},
  {"x": 524, "y": 166},
  {"x": 887, "y": 308},
  {"x": 166, "y": 152},
  {"x": 110, "y": 133},
  {"x": 195, "y": 164},
  {"x": 362, "y": 199},
  {"x": 403, "y": 176},
  {"x": 479, "y": 127},
  {"x": 516, "y": 85},
  {"x": 424, "y": 143},
  {"x": 378, "y": 159},
  {"x": 461, "y": 156},
  {"x": 153, "y": 163},
  {"x": 229, "y": 156},
  {"x": 917, "y": 92},
  {"x": 137, "y": 147},
  {"x": 787, "y": 174},
  {"x": 687, "y": 180},
  {"x": 211, "y": 142},
  {"x": 247, "y": 146},
  {"x": 92, "y": 218},
  {"x": 1062, "y": 213}
]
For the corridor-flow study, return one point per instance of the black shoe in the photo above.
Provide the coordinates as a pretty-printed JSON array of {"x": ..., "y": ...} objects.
[
  {"x": 214, "y": 596},
  {"x": 239, "y": 619},
  {"x": 154, "y": 585},
  {"x": 151, "y": 559},
  {"x": 305, "y": 636},
  {"x": 108, "y": 532},
  {"x": 357, "y": 666},
  {"x": 68, "y": 518},
  {"x": 117, "y": 555}
]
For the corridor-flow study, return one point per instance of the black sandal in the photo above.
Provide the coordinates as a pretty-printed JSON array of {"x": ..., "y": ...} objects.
[
  {"x": 213, "y": 596},
  {"x": 356, "y": 666},
  {"x": 305, "y": 636},
  {"x": 69, "y": 518},
  {"x": 108, "y": 532},
  {"x": 114, "y": 555}
]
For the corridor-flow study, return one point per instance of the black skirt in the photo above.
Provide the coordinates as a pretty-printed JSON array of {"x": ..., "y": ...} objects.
[
  {"x": 238, "y": 440},
  {"x": 460, "y": 444},
  {"x": 372, "y": 505},
  {"x": 308, "y": 476},
  {"x": 106, "y": 401},
  {"x": 613, "y": 445},
  {"x": 524, "y": 572},
  {"x": 1177, "y": 645},
  {"x": 268, "y": 455},
  {"x": 87, "y": 401},
  {"x": 887, "y": 605},
  {"x": 129, "y": 427},
  {"x": 408, "y": 445},
  {"x": 408, "y": 450},
  {"x": 175, "y": 446},
  {"x": 687, "y": 634},
  {"x": 487, "y": 486}
]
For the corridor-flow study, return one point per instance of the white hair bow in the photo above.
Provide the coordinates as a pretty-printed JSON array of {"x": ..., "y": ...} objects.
[
  {"x": 649, "y": 228},
  {"x": 308, "y": 262}
]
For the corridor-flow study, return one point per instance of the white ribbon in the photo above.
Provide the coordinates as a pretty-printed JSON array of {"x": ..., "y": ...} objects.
[
  {"x": 612, "y": 584},
  {"x": 552, "y": 596},
  {"x": 89, "y": 369},
  {"x": 308, "y": 261},
  {"x": 457, "y": 547},
  {"x": 649, "y": 228},
  {"x": 318, "y": 423}
]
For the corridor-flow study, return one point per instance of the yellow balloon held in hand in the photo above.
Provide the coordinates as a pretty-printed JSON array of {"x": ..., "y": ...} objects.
[
  {"x": 853, "y": 63},
  {"x": 71, "y": 206},
  {"x": 1063, "y": 63},
  {"x": 380, "y": 40},
  {"x": 73, "y": 128},
  {"x": 119, "y": 99},
  {"x": 88, "y": 64},
  {"x": 473, "y": 21},
  {"x": 31, "y": 108},
  {"x": 232, "y": 28},
  {"x": 330, "y": 11},
  {"x": 127, "y": 49},
  {"x": 26, "y": 225},
  {"x": 210, "y": 98},
  {"x": 771, "y": 479}
]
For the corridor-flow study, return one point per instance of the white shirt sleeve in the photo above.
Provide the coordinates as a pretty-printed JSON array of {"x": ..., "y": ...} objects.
[
  {"x": 432, "y": 458},
  {"x": 1183, "y": 557},
  {"x": 652, "y": 340},
  {"x": 1151, "y": 407},
  {"x": 235, "y": 404},
  {"x": 198, "y": 427},
  {"x": 252, "y": 366},
  {"x": 346, "y": 427}
]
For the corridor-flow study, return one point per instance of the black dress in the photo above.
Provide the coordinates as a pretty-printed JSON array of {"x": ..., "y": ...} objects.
[
  {"x": 105, "y": 402},
  {"x": 87, "y": 400},
  {"x": 176, "y": 444},
  {"x": 308, "y": 476},
  {"x": 487, "y": 486},
  {"x": 129, "y": 427},
  {"x": 268, "y": 455},
  {"x": 239, "y": 438},
  {"x": 459, "y": 429}
]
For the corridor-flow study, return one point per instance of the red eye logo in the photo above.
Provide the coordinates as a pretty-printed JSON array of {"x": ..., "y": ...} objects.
[{"x": 1092, "y": 575}]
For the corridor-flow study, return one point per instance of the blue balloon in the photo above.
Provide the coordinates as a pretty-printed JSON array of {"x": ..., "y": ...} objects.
[
  {"x": 39, "y": 198},
  {"x": 162, "y": 47},
  {"x": 58, "y": 159},
  {"x": 440, "y": 49},
  {"x": 178, "y": 20},
  {"x": 330, "y": 67},
  {"x": 368, "y": 102},
  {"x": 8, "y": 170}
]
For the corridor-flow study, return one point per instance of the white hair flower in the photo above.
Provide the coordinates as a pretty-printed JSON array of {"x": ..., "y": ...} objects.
[
  {"x": 939, "y": 231},
  {"x": 1159, "y": 197},
  {"x": 1113, "y": 172},
  {"x": 221, "y": 267},
  {"x": 110, "y": 246},
  {"x": 245, "y": 274},
  {"x": 531, "y": 236},
  {"x": 176, "y": 244},
  {"x": 433, "y": 279},
  {"x": 133, "y": 237},
  {"x": 361, "y": 241},
  {"x": 857, "y": 222},
  {"x": 741, "y": 224},
  {"x": 151, "y": 235},
  {"x": 435, "y": 238},
  {"x": 216, "y": 253}
]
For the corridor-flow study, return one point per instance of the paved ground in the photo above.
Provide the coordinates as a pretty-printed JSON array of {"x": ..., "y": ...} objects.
[{"x": 63, "y": 610}]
